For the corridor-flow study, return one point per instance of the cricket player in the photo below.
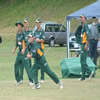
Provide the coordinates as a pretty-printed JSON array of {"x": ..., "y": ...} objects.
[
  {"x": 37, "y": 53},
  {"x": 20, "y": 59},
  {"x": 84, "y": 47},
  {"x": 40, "y": 37},
  {"x": 18, "y": 66},
  {"x": 25, "y": 49}
]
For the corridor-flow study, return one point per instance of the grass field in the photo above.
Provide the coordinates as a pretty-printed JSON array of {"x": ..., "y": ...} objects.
[{"x": 73, "y": 89}]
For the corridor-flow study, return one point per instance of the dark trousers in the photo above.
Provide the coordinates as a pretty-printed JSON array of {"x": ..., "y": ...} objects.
[{"x": 93, "y": 50}]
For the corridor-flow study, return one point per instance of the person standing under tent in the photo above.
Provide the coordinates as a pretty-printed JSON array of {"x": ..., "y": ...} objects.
[{"x": 84, "y": 46}]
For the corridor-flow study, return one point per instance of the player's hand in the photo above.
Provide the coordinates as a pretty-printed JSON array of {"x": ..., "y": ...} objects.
[
  {"x": 86, "y": 47},
  {"x": 29, "y": 56},
  {"x": 13, "y": 51},
  {"x": 23, "y": 51}
]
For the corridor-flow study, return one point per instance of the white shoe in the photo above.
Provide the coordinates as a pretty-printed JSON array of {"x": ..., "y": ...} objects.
[
  {"x": 91, "y": 75},
  {"x": 18, "y": 83},
  {"x": 36, "y": 86},
  {"x": 60, "y": 84},
  {"x": 31, "y": 84},
  {"x": 42, "y": 81},
  {"x": 21, "y": 81},
  {"x": 80, "y": 79}
]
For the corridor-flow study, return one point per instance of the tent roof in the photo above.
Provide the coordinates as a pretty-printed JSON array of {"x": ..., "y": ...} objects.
[{"x": 90, "y": 11}]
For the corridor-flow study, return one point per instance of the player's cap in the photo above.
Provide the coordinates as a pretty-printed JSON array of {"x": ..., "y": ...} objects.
[
  {"x": 38, "y": 20},
  {"x": 81, "y": 16},
  {"x": 19, "y": 22},
  {"x": 26, "y": 20}
]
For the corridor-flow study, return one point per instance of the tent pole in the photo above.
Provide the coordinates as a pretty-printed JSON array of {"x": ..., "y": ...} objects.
[{"x": 68, "y": 32}]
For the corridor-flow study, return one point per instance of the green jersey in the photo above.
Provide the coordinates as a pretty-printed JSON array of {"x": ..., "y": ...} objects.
[
  {"x": 36, "y": 50},
  {"x": 40, "y": 35},
  {"x": 26, "y": 33},
  {"x": 19, "y": 40},
  {"x": 85, "y": 33}
]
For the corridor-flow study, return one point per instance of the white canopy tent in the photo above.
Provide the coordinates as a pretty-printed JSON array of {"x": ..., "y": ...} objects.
[{"x": 91, "y": 11}]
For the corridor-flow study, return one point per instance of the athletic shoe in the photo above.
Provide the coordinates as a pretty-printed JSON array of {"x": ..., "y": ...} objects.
[
  {"x": 21, "y": 81},
  {"x": 42, "y": 81},
  {"x": 18, "y": 83},
  {"x": 31, "y": 84},
  {"x": 36, "y": 86},
  {"x": 91, "y": 75},
  {"x": 80, "y": 79},
  {"x": 60, "y": 84}
]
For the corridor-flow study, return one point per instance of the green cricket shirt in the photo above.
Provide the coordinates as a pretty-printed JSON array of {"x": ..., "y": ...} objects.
[
  {"x": 36, "y": 50},
  {"x": 40, "y": 35},
  {"x": 85, "y": 33},
  {"x": 19, "y": 40},
  {"x": 26, "y": 33}
]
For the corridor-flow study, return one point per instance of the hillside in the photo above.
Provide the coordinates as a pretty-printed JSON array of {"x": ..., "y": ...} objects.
[
  {"x": 55, "y": 10},
  {"x": 48, "y": 10}
]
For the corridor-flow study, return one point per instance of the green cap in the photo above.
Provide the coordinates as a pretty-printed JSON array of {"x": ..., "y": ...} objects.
[
  {"x": 30, "y": 34},
  {"x": 82, "y": 15},
  {"x": 26, "y": 20},
  {"x": 19, "y": 22},
  {"x": 38, "y": 20}
]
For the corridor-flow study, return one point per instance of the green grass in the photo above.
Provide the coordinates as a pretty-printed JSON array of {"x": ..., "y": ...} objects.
[
  {"x": 73, "y": 89},
  {"x": 48, "y": 10}
]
